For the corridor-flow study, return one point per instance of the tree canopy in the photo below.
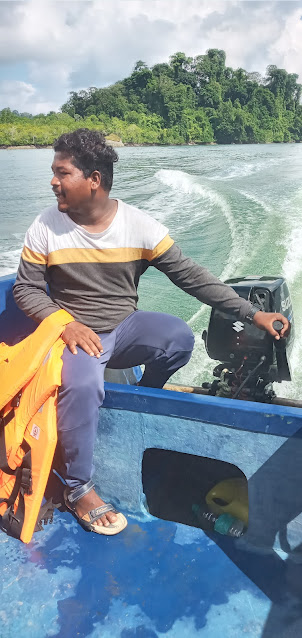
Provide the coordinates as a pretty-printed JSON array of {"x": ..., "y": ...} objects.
[{"x": 188, "y": 100}]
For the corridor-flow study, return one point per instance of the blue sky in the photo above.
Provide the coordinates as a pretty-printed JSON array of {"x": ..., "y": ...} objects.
[{"x": 48, "y": 48}]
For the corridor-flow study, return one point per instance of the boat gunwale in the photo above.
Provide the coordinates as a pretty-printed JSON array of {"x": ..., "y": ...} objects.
[{"x": 248, "y": 416}]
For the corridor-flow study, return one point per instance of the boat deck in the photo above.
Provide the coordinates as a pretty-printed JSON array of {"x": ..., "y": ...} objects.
[
  {"x": 159, "y": 578},
  {"x": 156, "y": 579}
]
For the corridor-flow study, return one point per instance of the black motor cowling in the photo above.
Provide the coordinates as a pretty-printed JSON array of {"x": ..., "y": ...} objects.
[{"x": 250, "y": 358}]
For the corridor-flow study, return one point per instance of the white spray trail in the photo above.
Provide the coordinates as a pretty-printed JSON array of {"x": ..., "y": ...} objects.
[
  {"x": 292, "y": 271},
  {"x": 9, "y": 261},
  {"x": 181, "y": 181},
  {"x": 267, "y": 209}
]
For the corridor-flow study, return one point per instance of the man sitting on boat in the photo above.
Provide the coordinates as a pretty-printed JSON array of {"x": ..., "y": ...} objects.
[{"x": 91, "y": 251}]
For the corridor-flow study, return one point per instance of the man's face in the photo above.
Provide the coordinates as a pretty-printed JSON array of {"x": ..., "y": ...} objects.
[{"x": 71, "y": 188}]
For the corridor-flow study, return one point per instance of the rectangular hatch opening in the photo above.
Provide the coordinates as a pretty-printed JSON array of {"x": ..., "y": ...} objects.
[{"x": 195, "y": 490}]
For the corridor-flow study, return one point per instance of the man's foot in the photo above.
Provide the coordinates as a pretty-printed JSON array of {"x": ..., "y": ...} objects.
[
  {"x": 90, "y": 502},
  {"x": 92, "y": 513}
]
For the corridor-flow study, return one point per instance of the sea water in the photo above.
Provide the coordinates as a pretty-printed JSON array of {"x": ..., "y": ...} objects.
[{"x": 235, "y": 209}]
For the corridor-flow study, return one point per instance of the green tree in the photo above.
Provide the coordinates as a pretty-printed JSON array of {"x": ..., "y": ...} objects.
[
  {"x": 187, "y": 100},
  {"x": 209, "y": 67}
]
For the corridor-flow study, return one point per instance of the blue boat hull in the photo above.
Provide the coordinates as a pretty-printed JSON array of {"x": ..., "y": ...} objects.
[{"x": 160, "y": 577}]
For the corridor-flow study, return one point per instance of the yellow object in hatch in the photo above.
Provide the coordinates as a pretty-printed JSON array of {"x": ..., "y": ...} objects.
[{"x": 230, "y": 497}]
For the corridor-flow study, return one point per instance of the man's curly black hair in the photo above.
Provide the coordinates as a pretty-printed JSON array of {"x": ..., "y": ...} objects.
[{"x": 89, "y": 152}]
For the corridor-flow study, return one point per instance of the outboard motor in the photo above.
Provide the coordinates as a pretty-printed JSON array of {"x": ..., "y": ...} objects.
[{"x": 251, "y": 360}]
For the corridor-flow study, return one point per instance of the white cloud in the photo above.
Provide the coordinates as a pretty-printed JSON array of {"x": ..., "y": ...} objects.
[
  {"x": 12, "y": 90},
  {"x": 24, "y": 97},
  {"x": 286, "y": 50},
  {"x": 70, "y": 45}
]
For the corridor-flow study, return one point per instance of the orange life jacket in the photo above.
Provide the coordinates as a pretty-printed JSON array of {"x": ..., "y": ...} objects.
[{"x": 30, "y": 375}]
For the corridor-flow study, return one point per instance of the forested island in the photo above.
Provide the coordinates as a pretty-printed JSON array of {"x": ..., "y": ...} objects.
[{"x": 186, "y": 101}]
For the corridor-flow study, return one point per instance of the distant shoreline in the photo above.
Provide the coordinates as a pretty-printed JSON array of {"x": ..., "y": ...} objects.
[
  {"x": 12, "y": 148},
  {"x": 39, "y": 146},
  {"x": 118, "y": 145},
  {"x": 112, "y": 143}
]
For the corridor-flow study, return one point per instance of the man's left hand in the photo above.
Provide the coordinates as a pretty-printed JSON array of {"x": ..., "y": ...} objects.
[{"x": 265, "y": 320}]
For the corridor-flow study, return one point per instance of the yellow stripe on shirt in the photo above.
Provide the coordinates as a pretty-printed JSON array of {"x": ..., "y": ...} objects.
[
  {"x": 107, "y": 255},
  {"x": 33, "y": 257},
  {"x": 162, "y": 247}
]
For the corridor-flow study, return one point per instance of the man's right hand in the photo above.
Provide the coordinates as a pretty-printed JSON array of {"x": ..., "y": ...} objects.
[{"x": 76, "y": 334}]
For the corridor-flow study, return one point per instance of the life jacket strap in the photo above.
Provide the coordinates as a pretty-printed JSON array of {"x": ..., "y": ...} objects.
[
  {"x": 45, "y": 515},
  {"x": 23, "y": 478},
  {"x": 4, "y": 420},
  {"x": 11, "y": 521},
  {"x": 15, "y": 402},
  {"x": 3, "y": 456}
]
